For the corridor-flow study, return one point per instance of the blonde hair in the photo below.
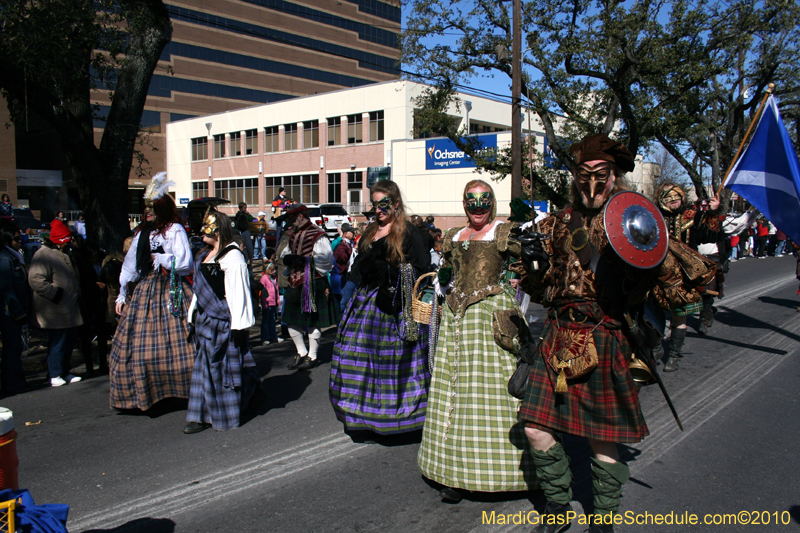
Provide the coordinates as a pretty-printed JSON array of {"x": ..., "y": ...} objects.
[{"x": 397, "y": 234}]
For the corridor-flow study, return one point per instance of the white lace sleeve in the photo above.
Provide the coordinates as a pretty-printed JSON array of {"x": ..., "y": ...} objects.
[{"x": 128, "y": 272}]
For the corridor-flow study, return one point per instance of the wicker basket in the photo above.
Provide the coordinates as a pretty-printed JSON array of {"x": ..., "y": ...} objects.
[{"x": 420, "y": 310}]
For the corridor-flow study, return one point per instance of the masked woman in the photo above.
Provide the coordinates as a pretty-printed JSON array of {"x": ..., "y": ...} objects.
[
  {"x": 150, "y": 356},
  {"x": 379, "y": 376},
  {"x": 472, "y": 440},
  {"x": 224, "y": 377}
]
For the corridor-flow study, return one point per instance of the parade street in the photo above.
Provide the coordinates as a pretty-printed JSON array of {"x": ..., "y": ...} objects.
[{"x": 290, "y": 468}]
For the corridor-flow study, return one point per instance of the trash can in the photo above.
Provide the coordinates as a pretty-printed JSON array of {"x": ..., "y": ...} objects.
[{"x": 9, "y": 463}]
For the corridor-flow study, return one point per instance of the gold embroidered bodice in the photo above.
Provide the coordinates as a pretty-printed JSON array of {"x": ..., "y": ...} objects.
[{"x": 478, "y": 267}]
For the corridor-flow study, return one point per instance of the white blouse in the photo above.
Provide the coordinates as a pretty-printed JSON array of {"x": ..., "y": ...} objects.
[
  {"x": 322, "y": 253},
  {"x": 237, "y": 290},
  {"x": 175, "y": 244}
]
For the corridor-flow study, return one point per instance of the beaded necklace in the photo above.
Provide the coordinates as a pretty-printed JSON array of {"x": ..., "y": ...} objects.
[{"x": 175, "y": 301}]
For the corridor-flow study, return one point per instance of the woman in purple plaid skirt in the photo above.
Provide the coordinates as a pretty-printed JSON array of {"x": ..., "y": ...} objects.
[
  {"x": 150, "y": 356},
  {"x": 224, "y": 377}
]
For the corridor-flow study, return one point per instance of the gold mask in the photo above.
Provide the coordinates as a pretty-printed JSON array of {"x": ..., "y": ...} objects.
[{"x": 210, "y": 224}]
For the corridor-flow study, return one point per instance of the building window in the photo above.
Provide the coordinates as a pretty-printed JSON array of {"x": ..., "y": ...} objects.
[
  {"x": 271, "y": 139},
  {"x": 219, "y": 146},
  {"x": 354, "y": 129},
  {"x": 334, "y": 131},
  {"x": 199, "y": 149},
  {"x": 355, "y": 180},
  {"x": 199, "y": 189},
  {"x": 335, "y": 188},
  {"x": 376, "y": 126},
  {"x": 290, "y": 137},
  {"x": 238, "y": 190},
  {"x": 311, "y": 134},
  {"x": 251, "y": 142},
  {"x": 303, "y": 189},
  {"x": 236, "y": 143}
]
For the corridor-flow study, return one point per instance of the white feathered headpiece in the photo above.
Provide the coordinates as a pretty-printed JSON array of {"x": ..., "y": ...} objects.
[{"x": 157, "y": 188}]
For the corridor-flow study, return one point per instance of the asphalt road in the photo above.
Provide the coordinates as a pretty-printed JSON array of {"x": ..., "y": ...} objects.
[{"x": 290, "y": 468}]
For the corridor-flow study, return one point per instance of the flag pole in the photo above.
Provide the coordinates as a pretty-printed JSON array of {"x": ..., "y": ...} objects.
[{"x": 770, "y": 87}]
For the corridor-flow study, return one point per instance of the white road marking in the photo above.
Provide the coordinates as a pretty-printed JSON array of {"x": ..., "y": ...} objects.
[{"x": 220, "y": 484}]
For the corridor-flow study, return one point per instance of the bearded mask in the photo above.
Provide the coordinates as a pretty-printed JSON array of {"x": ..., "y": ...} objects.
[
  {"x": 668, "y": 195},
  {"x": 595, "y": 183}
]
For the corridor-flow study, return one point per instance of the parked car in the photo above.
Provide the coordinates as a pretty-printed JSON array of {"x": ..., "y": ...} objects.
[{"x": 329, "y": 217}]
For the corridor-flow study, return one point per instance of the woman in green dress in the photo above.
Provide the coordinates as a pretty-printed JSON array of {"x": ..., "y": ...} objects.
[{"x": 472, "y": 440}]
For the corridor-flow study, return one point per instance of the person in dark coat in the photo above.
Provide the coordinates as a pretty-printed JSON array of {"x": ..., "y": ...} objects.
[{"x": 14, "y": 300}]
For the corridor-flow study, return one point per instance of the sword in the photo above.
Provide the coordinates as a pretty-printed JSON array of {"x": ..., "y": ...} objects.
[{"x": 646, "y": 355}]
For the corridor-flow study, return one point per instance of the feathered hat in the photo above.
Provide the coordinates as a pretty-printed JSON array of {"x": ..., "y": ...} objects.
[{"x": 157, "y": 188}]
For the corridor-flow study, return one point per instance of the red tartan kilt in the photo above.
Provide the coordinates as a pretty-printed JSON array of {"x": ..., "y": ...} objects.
[{"x": 602, "y": 405}]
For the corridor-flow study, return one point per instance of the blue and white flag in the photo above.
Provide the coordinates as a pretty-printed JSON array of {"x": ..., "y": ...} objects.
[{"x": 768, "y": 173}]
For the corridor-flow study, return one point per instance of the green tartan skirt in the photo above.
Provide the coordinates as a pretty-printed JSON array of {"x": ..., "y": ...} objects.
[
  {"x": 689, "y": 309},
  {"x": 327, "y": 313},
  {"x": 472, "y": 439}
]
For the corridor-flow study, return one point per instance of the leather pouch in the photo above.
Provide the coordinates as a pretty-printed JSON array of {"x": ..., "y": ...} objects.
[
  {"x": 507, "y": 329},
  {"x": 571, "y": 353}
]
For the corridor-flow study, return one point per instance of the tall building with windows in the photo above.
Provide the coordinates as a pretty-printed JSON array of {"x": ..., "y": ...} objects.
[
  {"x": 328, "y": 148},
  {"x": 230, "y": 54}
]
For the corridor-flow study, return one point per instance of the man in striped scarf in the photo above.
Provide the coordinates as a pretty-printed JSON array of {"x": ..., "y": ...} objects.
[{"x": 310, "y": 305}]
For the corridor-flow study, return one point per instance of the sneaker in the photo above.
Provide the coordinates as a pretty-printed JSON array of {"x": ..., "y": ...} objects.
[
  {"x": 72, "y": 379},
  {"x": 57, "y": 382},
  {"x": 266, "y": 343}
]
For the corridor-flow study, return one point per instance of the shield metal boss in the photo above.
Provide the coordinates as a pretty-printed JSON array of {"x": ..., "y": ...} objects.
[{"x": 636, "y": 229}]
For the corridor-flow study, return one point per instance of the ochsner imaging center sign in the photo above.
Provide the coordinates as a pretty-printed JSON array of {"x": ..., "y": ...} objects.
[{"x": 443, "y": 153}]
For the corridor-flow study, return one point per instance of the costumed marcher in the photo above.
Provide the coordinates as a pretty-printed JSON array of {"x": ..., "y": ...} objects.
[
  {"x": 579, "y": 382},
  {"x": 6, "y": 207},
  {"x": 151, "y": 358},
  {"x": 472, "y": 440},
  {"x": 260, "y": 228},
  {"x": 379, "y": 375},
  {"x": 309, "y": 302},
  {"x": 224, "y": 378},
  {"x": 242, "y": 221},
  {"x": 693, "y": 226},
  {"x": 53, "y": 277},
  {"x": 14, "y": 302}
]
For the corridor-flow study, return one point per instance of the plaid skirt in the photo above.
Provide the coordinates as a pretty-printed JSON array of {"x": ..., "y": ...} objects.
[
  {"x": 472, "y": 439},
  {"x": 602, "y": 405},
  {"x": 327, "y": 313},
  {"x": 224, "y": 377},
  {"x": 689, "y": 309},
  {"x": 150, "y": 359},
  {"x": 379, "y": 382}
]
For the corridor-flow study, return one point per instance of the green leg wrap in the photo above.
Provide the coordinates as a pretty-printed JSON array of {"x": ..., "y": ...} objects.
[
  {"x": 607, "y": 481},
  {"x": 553, "y": 473}
]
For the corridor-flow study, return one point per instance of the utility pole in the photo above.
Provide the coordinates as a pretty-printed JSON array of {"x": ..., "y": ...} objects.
[{"x": 516, "y": 101}]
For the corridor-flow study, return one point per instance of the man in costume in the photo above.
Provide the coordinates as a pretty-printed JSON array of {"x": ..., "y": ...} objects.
[
  {"x": 692, "y": 225},
  {"x": 309, "y": 302},
  {"x": 579, "y": 381}
]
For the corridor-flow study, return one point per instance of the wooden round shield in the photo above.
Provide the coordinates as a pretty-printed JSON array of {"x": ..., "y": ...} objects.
[{"x": 636, "y": 229}]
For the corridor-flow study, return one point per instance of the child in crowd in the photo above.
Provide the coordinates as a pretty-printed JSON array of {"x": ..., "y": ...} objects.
[{"x": 269, "y": 305}]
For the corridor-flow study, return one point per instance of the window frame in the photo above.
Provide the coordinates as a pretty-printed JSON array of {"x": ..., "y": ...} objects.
[
  {"x": 271, "y": 139},
  {"x": 200, "y": 144},
  {"x": 355, "y": 126},
  {"x": 219, "y": 146},
  {"x": 251, "y": 142},
  {"x": 311, "y": 134},
  {"x": 335, "y": 126},
  {"x": 376, "y": 126},
  {"x": 290, "y": 132}
]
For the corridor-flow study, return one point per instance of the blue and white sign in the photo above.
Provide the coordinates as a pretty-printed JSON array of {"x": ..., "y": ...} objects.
[
  {"x": 183, "y": 201},
  {"x": 443, "y": 153}
]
